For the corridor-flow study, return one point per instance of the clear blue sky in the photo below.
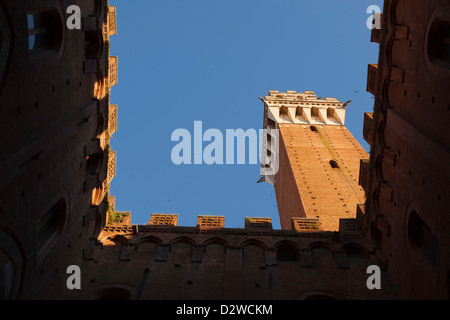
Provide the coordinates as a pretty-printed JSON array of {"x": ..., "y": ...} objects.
[{"x": 209, "y": 60}]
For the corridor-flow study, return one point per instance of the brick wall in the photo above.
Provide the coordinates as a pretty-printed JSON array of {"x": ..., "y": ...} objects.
[
  {"x": 53, "y": 159},
  {"x": 307, "y": 185}
]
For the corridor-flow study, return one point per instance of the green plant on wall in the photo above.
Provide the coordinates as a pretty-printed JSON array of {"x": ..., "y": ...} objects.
[{"x": 116, "y": 217}]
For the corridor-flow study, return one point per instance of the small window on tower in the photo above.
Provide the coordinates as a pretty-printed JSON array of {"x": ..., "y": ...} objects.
[
  {"x": 334, "y": 164},
  {"x": 313, "y": 128},
  {"x": 44, "y": 30}
]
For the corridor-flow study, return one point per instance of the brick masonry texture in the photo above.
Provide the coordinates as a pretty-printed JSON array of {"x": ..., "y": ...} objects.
[{"x": 307, "y": 185}]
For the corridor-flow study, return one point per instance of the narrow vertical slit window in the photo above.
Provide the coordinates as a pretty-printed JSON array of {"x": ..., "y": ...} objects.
[
  {"x": 423, "y": 239},
  {"x": 334, "y": 164},
  {"x": 49, "y": 227}
]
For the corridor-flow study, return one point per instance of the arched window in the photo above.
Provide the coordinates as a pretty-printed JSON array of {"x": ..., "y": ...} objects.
[
  {"x": 284, "y": 112},
  {"x": 330, "y": 114},
  {"x": 7, "y": 271},
  {"x": 119, "y": 240},
  {"x": 287, "y": 252},
  {"x": 422, "y": 238},
  {"x": 214, "y": 253},
  {"x": 94, "y": 162},
  {"x": 181, "y": 250},
  {"x": 298, "y": 113},
  {"x": 44, "y": 30},
  {"x": 50, "y": 226},
  {"x": 439, "y": 43},
  {"x": 377, "y": 236},
  {"x": 253, "y": 255}
]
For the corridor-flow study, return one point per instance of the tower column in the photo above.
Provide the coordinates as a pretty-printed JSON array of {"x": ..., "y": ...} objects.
[{"x": 318, "y": 159}]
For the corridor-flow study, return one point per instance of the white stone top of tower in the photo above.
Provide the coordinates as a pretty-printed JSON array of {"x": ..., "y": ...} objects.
[
  {"x": 293, "y": 107},
  {"x": 304, "y": 108}
]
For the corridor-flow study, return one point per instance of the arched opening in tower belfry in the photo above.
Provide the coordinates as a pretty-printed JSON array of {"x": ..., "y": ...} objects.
[{"x": 284, "y": 113}]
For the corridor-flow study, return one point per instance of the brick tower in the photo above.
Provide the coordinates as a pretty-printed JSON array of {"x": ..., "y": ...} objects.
[{"x": 318, "y": 160}]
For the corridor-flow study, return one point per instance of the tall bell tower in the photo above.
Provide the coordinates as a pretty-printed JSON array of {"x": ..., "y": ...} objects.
[{"x": 316, "y": 160}]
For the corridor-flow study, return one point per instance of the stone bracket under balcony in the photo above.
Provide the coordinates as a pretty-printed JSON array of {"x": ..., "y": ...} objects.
[
  {"x": 364, "y": 174},
  {"x": 112, "y": 74},
  {"x": 377, "y": 33},
  {"x": 372, "y": 79},
  {"x": 368, "y": 128}
]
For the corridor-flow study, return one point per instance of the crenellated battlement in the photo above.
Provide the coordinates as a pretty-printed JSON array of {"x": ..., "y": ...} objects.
[
  {"x": 183, "y": 258},
  {"x": 120, "y": 223}
]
